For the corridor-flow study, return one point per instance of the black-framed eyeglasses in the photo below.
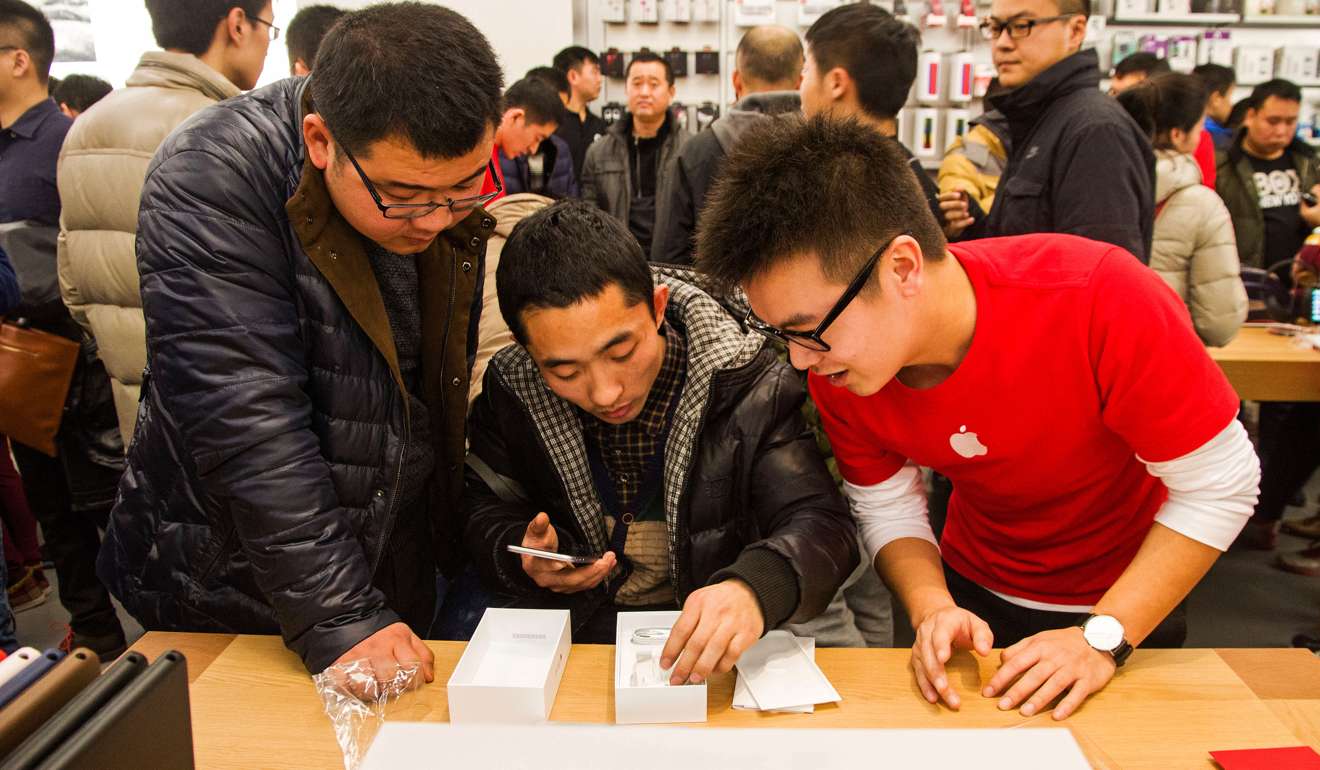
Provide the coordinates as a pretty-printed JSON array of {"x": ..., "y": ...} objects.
[
  {"x": 812, "y": 340},
  {"x": 1017, "y": 28},
  {"x": 274, "y": 30},
  {"x": 417, "y": 210}
]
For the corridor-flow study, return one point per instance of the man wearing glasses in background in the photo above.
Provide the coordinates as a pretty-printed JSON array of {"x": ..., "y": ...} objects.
[
  {"x": 1079, "y": 164},
  {"x": 311, "y": 258},
  {"x": 1098, "y": 467}
]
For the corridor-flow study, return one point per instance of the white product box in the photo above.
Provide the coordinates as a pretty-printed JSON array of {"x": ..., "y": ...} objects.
[
  {"x": 926, "y": 134},
  {"x": 648, "y": 705},
  {"x": 677, "y": 10},
  {"x": 956, "y": 123},
  {"x": 962, "y": 77},
  {"x": 930, "y": 77},
  {"x": 511, "y": 669},
  {"x": 1255, "y": 64},
  {"x": 1296, "y": 62},
  {"x": 1182, "y": 53},
  {"x": 1132, "y": 8},
  {"x": 646, "y": 11},
  {"x": 811, "y": 10},
  {"x": 1175, "y": 7},
  {"x": 423, "y": 744}
]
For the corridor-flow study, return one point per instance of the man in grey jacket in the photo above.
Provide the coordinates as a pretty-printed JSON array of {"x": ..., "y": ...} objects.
[
  {"x": 765, "y": 82},
  {"x": 627, "y": 171}
]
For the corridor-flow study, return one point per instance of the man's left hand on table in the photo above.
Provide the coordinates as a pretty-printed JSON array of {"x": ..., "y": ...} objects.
[{"x": 718, "y": 624}]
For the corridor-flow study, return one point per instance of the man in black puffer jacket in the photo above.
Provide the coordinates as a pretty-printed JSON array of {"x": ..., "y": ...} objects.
[
  {"x": 311, "y": 257},
  {"x": 638, "y": 423},
  {"x": 1077, "y": 161}
]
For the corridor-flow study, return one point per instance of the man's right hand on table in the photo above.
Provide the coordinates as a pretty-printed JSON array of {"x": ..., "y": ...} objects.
[
  {"x": 393, "y": 646},
  {"x": 939, "y": 633},
  {"x": 558, "y": 576}
]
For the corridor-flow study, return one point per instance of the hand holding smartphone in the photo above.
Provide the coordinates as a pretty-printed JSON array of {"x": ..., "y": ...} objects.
[
  {"x": 558, "y": 572},
  {"x": 576, "y": 561}
]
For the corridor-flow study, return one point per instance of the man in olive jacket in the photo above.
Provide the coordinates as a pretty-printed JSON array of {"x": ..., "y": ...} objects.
[
  {"x": 311, "y": 259},
  {"x": 638, "y": 423}
]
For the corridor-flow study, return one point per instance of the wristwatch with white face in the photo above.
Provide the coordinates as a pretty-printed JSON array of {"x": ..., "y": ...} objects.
[{"x": 1105, "y": 633}]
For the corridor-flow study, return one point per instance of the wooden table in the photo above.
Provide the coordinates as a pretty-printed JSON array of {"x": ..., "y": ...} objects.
[
  {"x": 253, "y": 704},
  {"x": 1269, "y": 367}
]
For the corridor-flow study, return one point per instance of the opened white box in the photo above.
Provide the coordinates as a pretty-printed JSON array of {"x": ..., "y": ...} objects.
[
  {"x": 646, "y": 704},
  {"x": 511, "y": 669}
]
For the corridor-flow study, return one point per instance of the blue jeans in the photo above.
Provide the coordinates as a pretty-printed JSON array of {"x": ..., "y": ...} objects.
[
  {"x": 460, "y": 605},
  {"x": 8, "y": 641}
]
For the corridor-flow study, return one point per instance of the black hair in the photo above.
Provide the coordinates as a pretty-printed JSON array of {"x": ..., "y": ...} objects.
[
  {"x": 29, "y": 29},
  {"x": 1079, "y": 7},
  {"x": 1165, "y": 102},
  {"x": 1238, "y": 114},
  {"x": 836, "y": 189},
  {"x": 189, "y": 25},
  {"x": 1278, "y": 88},
  {"x": 878, "y": 52},
  {"x": 1217, "y": 78},
  {"x": 574, "y": 57},
  {"x": 411, "y": 70},
  {"x": 1141, "y": 61},
  {"x": 537, "y": 99},
  {"x": 52, "y": 85},
  {"x": 563, "y": 254},
  {"x": 770, "y": 55},
  {"x": 551, "y": 77},
  {"x": 643, "y": 57},
  {"x": 81, "y": 91},
  {"x": 307, "y": 30}
]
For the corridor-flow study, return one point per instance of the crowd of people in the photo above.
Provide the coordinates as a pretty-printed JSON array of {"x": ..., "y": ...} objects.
[{"x": 348, "y": 337}]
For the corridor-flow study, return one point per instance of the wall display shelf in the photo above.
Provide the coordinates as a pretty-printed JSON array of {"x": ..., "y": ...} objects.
[
  {"x": 1310, "y": 20},
  {"x": 1177, "y": 20}
]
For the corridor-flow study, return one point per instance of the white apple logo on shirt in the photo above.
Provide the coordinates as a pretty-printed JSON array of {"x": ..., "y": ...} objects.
[{"x": 967, "y": 444}]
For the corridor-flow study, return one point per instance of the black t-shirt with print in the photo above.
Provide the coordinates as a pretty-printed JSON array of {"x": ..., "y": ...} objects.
[{"x": 1279, "y": 190}]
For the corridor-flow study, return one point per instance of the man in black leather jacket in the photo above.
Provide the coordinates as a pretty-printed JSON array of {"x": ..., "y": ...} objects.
[
  {"x": 311, "y": 257},
  {"x": 638, "y": 423}
]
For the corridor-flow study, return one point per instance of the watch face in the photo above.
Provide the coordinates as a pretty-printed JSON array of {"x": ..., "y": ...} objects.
[{"x": 1103, "y": 632}]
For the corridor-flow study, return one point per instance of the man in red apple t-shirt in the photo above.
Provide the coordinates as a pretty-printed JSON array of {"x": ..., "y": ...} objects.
[{"x": 1097, "y": 465}]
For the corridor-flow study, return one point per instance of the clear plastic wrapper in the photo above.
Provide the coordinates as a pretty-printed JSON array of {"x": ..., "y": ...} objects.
[{"x": 357, "y": 699}]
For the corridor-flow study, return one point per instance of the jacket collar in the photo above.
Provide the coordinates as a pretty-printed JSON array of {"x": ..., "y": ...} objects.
[
  {"x": 165, "y": 69},
  {"x": 715, "y": 343},
  {"x": 31, "y": 121},
  {"x": 1237, "y": 152},
  {"x": 339, "y": 253},
  {"x": 770, "y": 102},
  {"x": 1027, "y": 102},
  {"x": 623, "y": 127}
]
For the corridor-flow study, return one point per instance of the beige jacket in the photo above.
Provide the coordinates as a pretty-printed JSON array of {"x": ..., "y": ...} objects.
[
  {"x": 1194, "y": 249},
  {"x": 100, "y": 175},
  {"x": 493, "y": 334}
]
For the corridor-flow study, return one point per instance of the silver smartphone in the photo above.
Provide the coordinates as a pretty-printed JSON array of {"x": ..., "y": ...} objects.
[{"x": 567, "y": 558}]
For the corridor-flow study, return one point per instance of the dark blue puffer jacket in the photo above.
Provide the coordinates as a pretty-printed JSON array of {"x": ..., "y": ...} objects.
[
  {"x": 9, "y": 293},
  {"x": 262, "y": 478}
]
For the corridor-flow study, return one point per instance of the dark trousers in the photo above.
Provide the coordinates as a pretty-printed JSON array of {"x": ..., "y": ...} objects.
[
  {"x": 73, "y": 539},
  {"x": 20, "y": 528},
  {"x": 1289, "y": 451},
  {"x": 1012, "y": 623}
]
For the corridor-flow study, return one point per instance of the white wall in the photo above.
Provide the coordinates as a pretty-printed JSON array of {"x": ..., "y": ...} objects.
[
  {"x": 123, "y": 34},
  {"x": 524, "y": 33}
]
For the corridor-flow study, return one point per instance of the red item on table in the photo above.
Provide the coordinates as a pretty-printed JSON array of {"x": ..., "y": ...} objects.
[{"x": 1294, "y": 758}]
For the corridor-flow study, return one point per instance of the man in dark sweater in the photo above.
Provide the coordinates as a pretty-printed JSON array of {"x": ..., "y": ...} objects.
[
  {"x": 1078, "y": 163},
  {"x": 579, "y": 126},
  {"x": 860, "y": 63},
  {"x": 638, "y": 424},
  {"x": 765, "y": 82}
]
